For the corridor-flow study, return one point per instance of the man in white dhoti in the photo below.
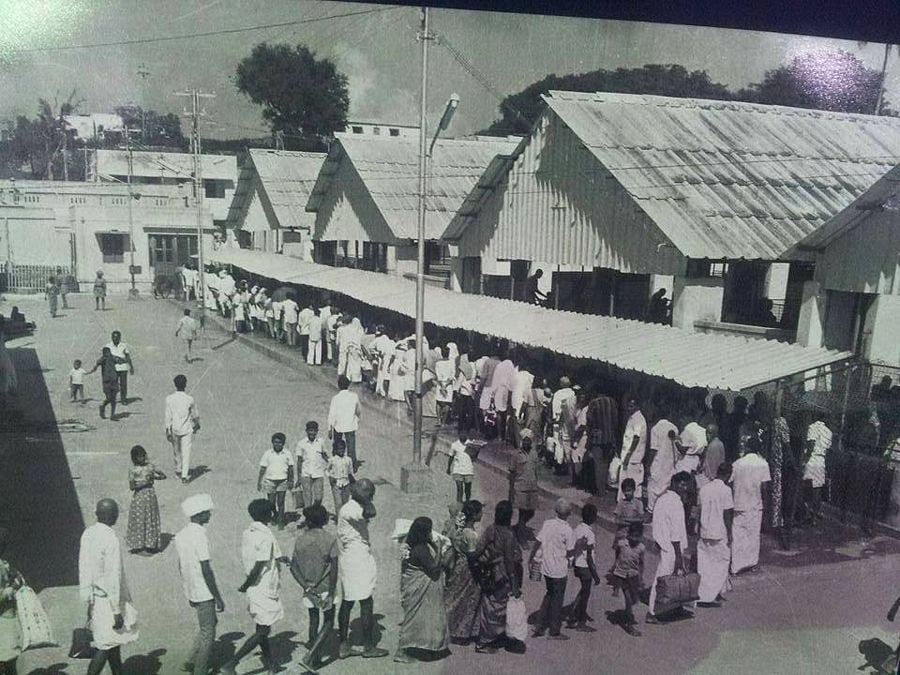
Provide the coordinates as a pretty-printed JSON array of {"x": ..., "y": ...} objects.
[
  {"x": 634, "y": 444},
  {"x": 260, "y": 556},
  {"x": 670, "y": 534},
  {"x": 663, "y": 456},
  {"x": 713, "y": 548},
  {"x": 748, "y": 476},
  {"x": 356, "y": 569},
  {"x": 101, "y": 578}
]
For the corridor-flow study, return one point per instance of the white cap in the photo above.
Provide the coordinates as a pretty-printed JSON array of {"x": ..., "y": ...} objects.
[{"x": 196, "y": 504}]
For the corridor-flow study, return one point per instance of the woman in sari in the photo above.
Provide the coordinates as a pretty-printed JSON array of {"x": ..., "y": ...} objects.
[
  {"x": 498, "y": 560},
  {"x": 10, "y": 634},
  {"x": 396, "y": 381},
  {"x": 462, "y": 593},
  {"x": 424, "y": 624},
  {"x": 351, "y": 346},
  {"x": 430, "y": 382}
]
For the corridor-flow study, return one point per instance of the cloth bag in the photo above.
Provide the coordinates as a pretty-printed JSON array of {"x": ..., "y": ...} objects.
[
  {"x": 36, "y": 629},
  {"x": 615, "y": 466},
  {"x": 516, "y": 619},
  {"x": 675, "y": 590}
]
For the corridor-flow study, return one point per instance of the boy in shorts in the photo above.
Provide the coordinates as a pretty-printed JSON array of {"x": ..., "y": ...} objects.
[
  {"x": 110, "y": 377},
  {"x": 312, "y": 462},
  {"x": 340, "y": 475},
  {"x": 461, "y": 468},
  {"x": 276, "y": 475},
  {"x": 76, "y": 381}
]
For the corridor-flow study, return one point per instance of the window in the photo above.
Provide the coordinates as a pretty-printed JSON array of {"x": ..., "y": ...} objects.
[
  {"x": 376, "y": 131},
  {"x": 34, "y": 199},
  {"x": 394, "y": 132},
  {"x": 113, "y": 247},
  {"x": 357, "y": 130},
  {"x": 77, "y": 200},
  {"x": 703, "y": 269},
  {"x": 214, "y": 188}
]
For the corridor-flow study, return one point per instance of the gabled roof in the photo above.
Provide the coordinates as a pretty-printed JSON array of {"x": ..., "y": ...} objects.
[
  {"x": 727, "y": 179},
  {"x": 389, "y": 169},
  {"x": 691, "y": 359},
  {"x": 885, "y": 193},
  {"x": 172, "y": 165},
  {"x": 284, "y": 180}
]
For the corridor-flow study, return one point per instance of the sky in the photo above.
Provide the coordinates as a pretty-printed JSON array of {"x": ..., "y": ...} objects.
[{"x": 378, "y": 53}]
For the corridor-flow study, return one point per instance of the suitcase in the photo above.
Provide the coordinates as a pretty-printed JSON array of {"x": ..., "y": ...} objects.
[{"x": 675, "y": 590}]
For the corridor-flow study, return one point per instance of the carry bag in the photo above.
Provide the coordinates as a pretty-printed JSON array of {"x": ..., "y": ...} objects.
[
  {"x": 516, "y": 619},
  {"x": 81, "y": 644},
  {"x": 675, "y": 590},
  {"x": 36, "y": 629}
]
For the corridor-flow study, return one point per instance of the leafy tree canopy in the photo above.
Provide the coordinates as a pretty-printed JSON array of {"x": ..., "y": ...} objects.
[
  {"x": 157, "y": 129},
  {"x": 299, "y": 93}
]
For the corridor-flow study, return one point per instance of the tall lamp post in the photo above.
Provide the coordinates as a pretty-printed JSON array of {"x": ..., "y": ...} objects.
[
  {"x": 412, "y": 476},
  {"x": 132, "y": 270}
]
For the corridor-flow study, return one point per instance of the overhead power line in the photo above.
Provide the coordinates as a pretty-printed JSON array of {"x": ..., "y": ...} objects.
[{"x": 191, "y": 36}]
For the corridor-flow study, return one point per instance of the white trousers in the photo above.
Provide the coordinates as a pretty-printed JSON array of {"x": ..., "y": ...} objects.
[
  {"x": 314, "y": 353},
  {"x": 181, "y": 449},
  {"x": 745, "y": 534},
  {"x": 713, "y": 557}
]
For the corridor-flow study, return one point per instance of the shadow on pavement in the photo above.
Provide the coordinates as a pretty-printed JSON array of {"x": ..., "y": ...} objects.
[
  {"x": 877, "y": 654},
  {"x": 224, "y": 647},
  {"x": 146, "y": 664},
  {"x": 38, "y": 502}
]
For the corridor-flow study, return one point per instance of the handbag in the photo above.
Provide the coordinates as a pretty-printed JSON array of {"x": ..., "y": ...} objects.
[
  {"x": 35, "y": 626},
  {"x": 516, "y": 619},
  {"x": 81, "y": 644},
  {"x": 675, "y": 590}
]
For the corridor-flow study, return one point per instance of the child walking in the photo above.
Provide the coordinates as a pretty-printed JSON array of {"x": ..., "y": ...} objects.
[
  {"x": 340, "y": 475},
  {"x": 461, "y": 467},
  {"x": 76, "y": 381},
  {"x": 276, "y": 475},
  {"x": 312, "y": 463},
  {"x": 107, "y": 364},
  {"x": 627, "y": 512},
  {"x": 628, "y": 572},
  {"x": 143, "y": 514},
  {"x": 585, "y": 568}
]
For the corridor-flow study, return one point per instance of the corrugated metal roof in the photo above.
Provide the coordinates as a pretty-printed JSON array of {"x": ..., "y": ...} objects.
[
  {"x": 691, "y": 359},
  {"x": 286, "y": 179},
  {"x": 727, "y": 179},
  {"x": 389, "y": 169},
  {"x": 176, "y": 165}
]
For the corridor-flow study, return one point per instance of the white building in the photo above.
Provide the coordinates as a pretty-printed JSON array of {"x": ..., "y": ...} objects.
[
  {"x": 94, "y": 125},
  {"x": 381, "y": 130},
  {"x": 219, "y": 174}
]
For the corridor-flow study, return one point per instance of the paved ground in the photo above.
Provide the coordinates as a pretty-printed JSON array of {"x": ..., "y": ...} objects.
[{"x": 825, "y": 615}]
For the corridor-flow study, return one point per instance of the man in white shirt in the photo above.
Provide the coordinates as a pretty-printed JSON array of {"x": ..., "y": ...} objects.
[
  {"x": 198, "y": 580},
  {"x": 748, "y": 476},
  {"x": 182, "y": 422},
  {"x": 119, "y": 350},
  {"x": 556, "y": 540},
  {"x": 670, "y": 534},
  {"x": 187, "y": 329},
  {"x": 563, "y": 399},
  {"x": 290, "y": 318},
  {"x": 312, "y": 462},
  {"x": 691, "y": 443},
  {"x": 314, "y": 346},
  {"x": 103, "y": 589},
  {"x": 634, "y": 444},
  {"x": 303, "y": 328},
  {"x": 260, "y": 557},
  {"x": 503, "y": 383},
  {"x": 520, "y": 401},
  {"x": 714, "y": 545},
  {"x": 663, "y": 456},
  {"x": 343, "y": 418}
]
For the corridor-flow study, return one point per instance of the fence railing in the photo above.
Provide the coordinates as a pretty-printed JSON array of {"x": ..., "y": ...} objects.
[{"x": 17, "y": 278}]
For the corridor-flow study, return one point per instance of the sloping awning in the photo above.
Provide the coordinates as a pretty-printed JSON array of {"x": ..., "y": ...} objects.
[{"x": 689, "y": 359}]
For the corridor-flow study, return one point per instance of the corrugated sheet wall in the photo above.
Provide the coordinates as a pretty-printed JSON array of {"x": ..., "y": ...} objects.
[
  {"x": 865, "y": 258},
  {"x": 559, "y": 205},
  {"x": 347, "y": 211}
]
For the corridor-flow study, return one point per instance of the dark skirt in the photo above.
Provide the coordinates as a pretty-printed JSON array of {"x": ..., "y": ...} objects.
[
  {"x": 143, "y": 521},
  {"x": 462, "y": 595},
  {"x": 424, "y": 624}
]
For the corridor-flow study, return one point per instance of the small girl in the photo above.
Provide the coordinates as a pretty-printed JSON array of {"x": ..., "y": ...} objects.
[
  {"x": 628, "y": 572},
  {"x": 76, "y": 381},
  {"x": 143, "y": 514}
]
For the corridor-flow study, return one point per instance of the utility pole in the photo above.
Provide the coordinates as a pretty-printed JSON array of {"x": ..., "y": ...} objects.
[
  {"x": 195, "y": 96},
  {"x": 143, "y": 73},
  {"x": 133, "y": 291}
]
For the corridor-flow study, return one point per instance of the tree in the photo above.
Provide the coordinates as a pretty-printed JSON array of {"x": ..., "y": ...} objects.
[
  {"x": 157, "y": 129},
  {"x": 824, "y": 80},
  {"x": 40, "y": 142},
  {"x": 299, "y": 93},
  {"x": 519, "y": 111}
]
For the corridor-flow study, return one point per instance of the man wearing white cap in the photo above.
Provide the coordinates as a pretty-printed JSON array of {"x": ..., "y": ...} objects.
[
  {"x": 260, "y": 555},
  {"x": 198, "y": 580}
]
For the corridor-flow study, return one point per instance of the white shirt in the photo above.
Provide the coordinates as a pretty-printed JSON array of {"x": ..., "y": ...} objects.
[
  {"x": 747, "y": 475},
  {"x": 522, "y": 390},
  {"x": 76, "y": 375},
  {"x": 276, "y": 464},
  {"x": 180, "y": 413},
  {"x": 340, "y": 469},
  {"x": 312, "y": 457},
  {"x": 636, "y": 427},
  {"x": 314, "y": 328},
  {"x": 193, "y": 549},
  {"x": 187, "y": 328},
  {"x": 715, "y": 498},
  {"x": 100, "y": 569},
  {"x": 668, "y": 522},
  {"x": 503, "y": 381},
  {"x": 342, "y": 411},
  {"x": 585, "y": 534},
  {"x": 305, "y": 314},
  {"x": 556, "y": 403},
  {"x": 259, "y": 544},
  {"x": 462, "y": 462},
  {"x": 557, "y": 539},
  {"x": 119, "y": 351},
  {"x": 821, "y": 435},
  {"x": 352, "y": 528},
  {"x": 290, "y": 311},
  {"x": 693, "y": 438}
]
